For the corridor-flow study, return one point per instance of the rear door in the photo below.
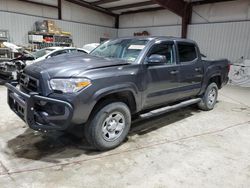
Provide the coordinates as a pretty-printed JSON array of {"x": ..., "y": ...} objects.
[{"x": 191, "y": 69}]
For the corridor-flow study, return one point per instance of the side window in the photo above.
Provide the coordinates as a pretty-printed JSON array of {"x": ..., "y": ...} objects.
[
  {"x": 72, "y": 50},
  {"x": 164, "y": 49},
  {"x": 82, "y": 51},
  {"x": 187, "y": 52},
  {"x": 59, "y": 53}
]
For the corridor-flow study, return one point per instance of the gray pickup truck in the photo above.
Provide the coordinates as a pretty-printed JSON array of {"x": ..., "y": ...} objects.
[{"x": 120, "y": 79}]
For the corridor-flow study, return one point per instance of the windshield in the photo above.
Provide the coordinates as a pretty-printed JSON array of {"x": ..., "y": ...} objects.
[
  {"x": 126, "y": 49},
  {"x": 42, "y": 52}
]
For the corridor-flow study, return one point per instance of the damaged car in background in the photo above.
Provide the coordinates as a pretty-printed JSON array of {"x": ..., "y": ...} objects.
[{"x": 12, "y": 69}]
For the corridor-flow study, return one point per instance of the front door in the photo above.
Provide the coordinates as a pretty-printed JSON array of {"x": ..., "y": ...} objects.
[{"x": 162, "y": 80}]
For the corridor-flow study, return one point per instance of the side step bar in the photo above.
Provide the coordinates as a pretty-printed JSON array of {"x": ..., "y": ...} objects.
[{"x": 163, "y": 110}]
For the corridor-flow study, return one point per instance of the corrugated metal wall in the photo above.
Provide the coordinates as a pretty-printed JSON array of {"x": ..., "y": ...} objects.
[
  {"x": 84, "y": 34},
  {"x": 149, "y": 19},
  {"x": 217, "y": 40},
  {"x": 161, "y": 23},
  {"x": 156, "y": 31},
  {"x": 74, "y": 12},
  {"x": 19, "y": 25},
  {"x": 29, "y": 8},
  {"x": 70, "y": 11}
]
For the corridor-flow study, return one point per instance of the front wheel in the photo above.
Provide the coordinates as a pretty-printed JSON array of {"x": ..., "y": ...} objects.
[
  {"x": 109, "y": 126},
  {"x": 209, "y": 98}
]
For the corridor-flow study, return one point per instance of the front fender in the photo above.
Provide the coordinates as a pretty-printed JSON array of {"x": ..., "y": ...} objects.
[{"x": 116, "y": 89}]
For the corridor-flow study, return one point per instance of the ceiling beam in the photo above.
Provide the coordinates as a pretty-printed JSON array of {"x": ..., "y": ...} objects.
[
  {"x": 37, "y": 3},
  {"x": 117, "y": 22},
  {"x": 59, "y": 4},
  {"x": 143, "y": 10},
  {"x": 135, "y": 5},
  {"x": 175, "y": 6},
  {"x": 100, "y": 2},
  {"x": 90, "y": 6},
  {"x": 186, "y": 19},
  {"x": 209, "y": 1}
]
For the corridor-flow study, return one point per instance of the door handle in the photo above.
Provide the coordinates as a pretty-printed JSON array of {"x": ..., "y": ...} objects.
[
  {"x": 197, "y": 69},
  {"x": 174, "y": 72}
]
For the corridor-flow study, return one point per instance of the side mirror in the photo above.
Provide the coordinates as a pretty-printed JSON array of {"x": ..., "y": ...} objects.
[{"x": 155, "y": 59}]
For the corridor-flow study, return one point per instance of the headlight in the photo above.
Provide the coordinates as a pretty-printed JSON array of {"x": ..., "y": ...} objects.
[{"x": 71, "y": 85}]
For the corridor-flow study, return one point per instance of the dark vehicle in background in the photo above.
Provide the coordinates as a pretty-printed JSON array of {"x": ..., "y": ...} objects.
[{"x": 120, "y": 79}]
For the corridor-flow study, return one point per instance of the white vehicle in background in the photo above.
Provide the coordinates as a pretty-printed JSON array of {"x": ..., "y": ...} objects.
[
  {"x": 89, "y": 47},
  {"x": 49, "y": 52}
]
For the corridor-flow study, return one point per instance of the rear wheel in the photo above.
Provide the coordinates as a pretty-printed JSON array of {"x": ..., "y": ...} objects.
[
  {"x": 109, "y": 126},
  {"x": 209, "y": 98}
]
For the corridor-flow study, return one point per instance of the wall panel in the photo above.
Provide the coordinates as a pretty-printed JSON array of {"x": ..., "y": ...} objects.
[
  {"x": 29, "y": 8},
  {"x": 70, "y": 11},
  {"x": 73, "y": 12},
  {"x": 221, "y": 12},
  {"x": 154, "y": 31},
  {"x": 222, "y": 40},
  {"x": 148, "y": 19}
]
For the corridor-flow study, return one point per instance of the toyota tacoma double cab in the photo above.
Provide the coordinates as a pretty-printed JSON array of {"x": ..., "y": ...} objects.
[{"x": 120, "y": 79}]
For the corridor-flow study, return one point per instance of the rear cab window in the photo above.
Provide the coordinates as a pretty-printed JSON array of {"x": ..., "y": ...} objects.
[{"x": 187, "y": 52}]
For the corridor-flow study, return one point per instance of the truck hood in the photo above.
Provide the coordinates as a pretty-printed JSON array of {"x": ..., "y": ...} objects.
[{"x": 72, "y": 64}]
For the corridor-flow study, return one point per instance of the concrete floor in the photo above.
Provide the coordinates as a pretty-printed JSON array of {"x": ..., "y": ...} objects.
[{"x": 185, "y": 148}]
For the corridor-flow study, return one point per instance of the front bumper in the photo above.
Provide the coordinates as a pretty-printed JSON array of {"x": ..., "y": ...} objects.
[{"x": 31, "y": 108}]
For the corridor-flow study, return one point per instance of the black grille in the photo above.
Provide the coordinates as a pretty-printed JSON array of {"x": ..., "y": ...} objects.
[{"x": 29, "y": 83}]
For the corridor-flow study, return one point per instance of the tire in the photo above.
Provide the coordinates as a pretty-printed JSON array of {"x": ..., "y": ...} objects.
[
  {"x": 109, "y": 126},
  {"x": 209, "y": 98}
]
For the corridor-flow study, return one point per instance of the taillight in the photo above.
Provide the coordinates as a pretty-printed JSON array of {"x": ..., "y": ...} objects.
[{"x": 228, "y": 67}]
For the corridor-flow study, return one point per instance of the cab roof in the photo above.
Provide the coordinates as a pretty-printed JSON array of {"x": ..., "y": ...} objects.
[{"x": 178, "y": 39}]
